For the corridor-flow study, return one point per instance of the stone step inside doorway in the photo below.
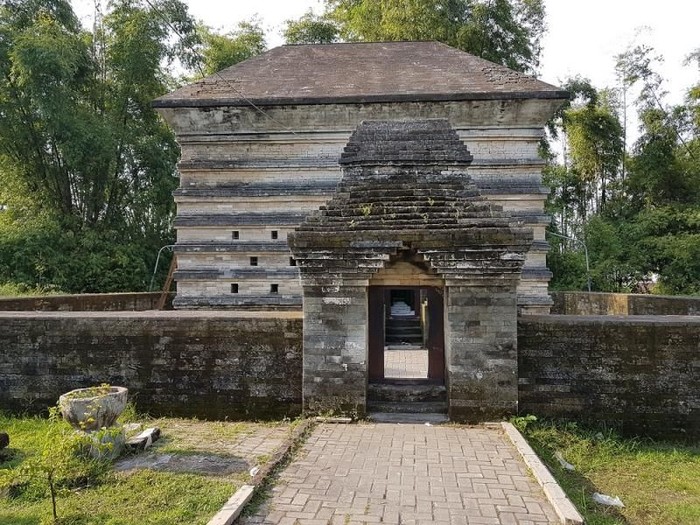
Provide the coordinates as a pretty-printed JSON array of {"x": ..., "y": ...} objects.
[
  {"x": 407, "y": 400},
  {"x": 404, "y": 330}
]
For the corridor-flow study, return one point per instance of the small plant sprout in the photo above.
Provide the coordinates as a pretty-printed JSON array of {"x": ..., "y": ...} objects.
[{"x": 60, "y": 464}]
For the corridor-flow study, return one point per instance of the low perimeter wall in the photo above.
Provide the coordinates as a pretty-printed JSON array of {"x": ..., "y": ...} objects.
[
  {"x": 88, "y": 302},
  {"x": 210, "y": 365},
  {"x": 640, "y": 374},
  {"x": 595, "y": 303}
]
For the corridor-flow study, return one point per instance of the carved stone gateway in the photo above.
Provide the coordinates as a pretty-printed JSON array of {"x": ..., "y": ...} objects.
[{"x": 406, "y": 200}]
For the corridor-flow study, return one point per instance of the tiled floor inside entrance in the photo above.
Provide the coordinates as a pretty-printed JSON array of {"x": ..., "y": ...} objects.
[{"x": 405, "y": 363}]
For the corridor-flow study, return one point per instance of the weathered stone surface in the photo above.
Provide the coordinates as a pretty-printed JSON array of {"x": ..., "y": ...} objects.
[
  {"x": 90, "y": 409},
  {"x": 183, "y": 363},
  {"x": 144, "y": 439},
  {"x": 482, "y": 361},
  {"x": 385, "y": 71},
  {"x": 638, "y": 373},
  {"x": 405, "y": 198},
  {"x": 405, "y": 187},
  {"x": 253, "y": 172},
  {"x": 584, "y": 303},
  {"x": 103, "y": 302}
]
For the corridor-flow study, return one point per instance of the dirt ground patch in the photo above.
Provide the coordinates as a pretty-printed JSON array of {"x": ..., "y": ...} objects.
[{"x": 212, "y": 448}]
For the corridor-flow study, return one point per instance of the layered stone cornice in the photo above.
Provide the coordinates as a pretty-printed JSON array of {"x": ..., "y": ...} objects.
[{"x": 405, "y": 188}]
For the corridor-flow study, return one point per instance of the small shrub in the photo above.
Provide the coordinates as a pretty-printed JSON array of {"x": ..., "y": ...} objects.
[
  {"x": 522, "y": 422},
  {"x": 65, "y": 461}
]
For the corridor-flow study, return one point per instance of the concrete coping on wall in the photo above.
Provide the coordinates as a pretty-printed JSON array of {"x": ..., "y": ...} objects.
[
  {"x": 158, "y": 314},
  {"x": 298, "y": 314}
]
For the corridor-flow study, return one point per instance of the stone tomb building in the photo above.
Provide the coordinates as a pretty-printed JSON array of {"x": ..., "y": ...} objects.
[{"x": 393, "y": 189}]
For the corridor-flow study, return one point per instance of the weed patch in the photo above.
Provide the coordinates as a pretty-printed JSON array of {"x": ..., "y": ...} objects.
[{"x": 659, "y": 482}]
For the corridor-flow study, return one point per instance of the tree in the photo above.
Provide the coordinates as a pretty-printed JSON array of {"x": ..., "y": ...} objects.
[
  {"x": 86, "y": 164},
  {"x": 595, "y": 138},
  {"x": 310, "y": 29},
  {"x": 507, "y": 32},
  {"x": 221, "y": 51},
  {"x": 648, "y": 229},
  {"x": 65, "y": 460}
]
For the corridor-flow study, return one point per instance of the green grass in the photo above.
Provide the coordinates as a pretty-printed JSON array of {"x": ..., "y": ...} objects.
[
  {"x": 659, "y": 482},
  {"x": 144, "y": 496},
  {"x": 113, "y": 498},
  {"x": 22, "y": 290}
]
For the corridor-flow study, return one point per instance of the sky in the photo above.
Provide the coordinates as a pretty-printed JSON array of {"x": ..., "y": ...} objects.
[{"x": 583, "y": 35}]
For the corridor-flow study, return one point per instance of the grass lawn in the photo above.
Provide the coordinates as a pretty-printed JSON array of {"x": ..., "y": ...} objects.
[
  {"x": 139, "y": 496},
  {"x": 658, "y": 482}
]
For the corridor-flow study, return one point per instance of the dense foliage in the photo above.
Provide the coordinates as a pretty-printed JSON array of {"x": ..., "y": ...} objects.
[
  {"x": 638, "y": 212},
  {"x": 87, "y": 167},
  {"x": 220, "y": 51},
  {"x": 507, "y": 32}
]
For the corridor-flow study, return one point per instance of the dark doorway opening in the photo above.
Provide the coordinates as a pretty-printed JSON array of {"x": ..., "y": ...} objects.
[{"x": 406, "y": 335}]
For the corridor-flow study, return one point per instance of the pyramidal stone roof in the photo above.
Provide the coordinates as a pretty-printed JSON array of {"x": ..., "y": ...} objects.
[
  {"x": 359, "y": 73},
  {"x": 404, "y": 175},
  {"x": 405, "y": 187},
  {"x": 426, "y": 142}
]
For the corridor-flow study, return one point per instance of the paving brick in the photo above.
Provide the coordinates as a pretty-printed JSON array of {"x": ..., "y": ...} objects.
[{"x": 371, "y": 473}]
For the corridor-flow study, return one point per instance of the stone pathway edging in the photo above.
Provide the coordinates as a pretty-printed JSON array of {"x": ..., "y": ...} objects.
[
  {"x": 234, "y": 506},
  {"x": 562, "y": 505}
]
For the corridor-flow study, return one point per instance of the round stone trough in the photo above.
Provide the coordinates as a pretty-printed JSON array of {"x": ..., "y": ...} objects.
[{"x": 90, "y": 409}]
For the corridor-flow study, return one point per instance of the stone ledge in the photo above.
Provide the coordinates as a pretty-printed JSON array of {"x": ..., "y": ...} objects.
[
  {"x": 232, "y": 219},
  {"x": 247, "y": 272},
  {"x": 568, "y": 515},
  {"x": 366, "y": 99},
  {"x": 234, "y": 506},
  {"x": 234, "y": 246},
  {"x": 597, "y": 320},
  {"x": 245, "y": 302},
  {"x": 159, "y": 314}
]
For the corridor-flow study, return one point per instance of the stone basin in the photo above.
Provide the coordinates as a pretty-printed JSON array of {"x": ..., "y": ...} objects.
[{"x": 90, "y": 409}]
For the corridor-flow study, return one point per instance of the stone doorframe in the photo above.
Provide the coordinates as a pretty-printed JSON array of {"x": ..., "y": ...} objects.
[
  {"x": 405, "y": 193},
  {"x": 480, "y": 349}
]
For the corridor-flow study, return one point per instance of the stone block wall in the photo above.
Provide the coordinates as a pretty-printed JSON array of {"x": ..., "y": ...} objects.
[
  {"x": 641, "y": 374},
  {"x": 103, "y": 302},
  {"x": 482, "y": 380},
  {"x": 210, "y": 366},
  {"x": 244, "y": 175},
  {"x": 584, "y": 303},
  {"x": 335, "y": 349}
]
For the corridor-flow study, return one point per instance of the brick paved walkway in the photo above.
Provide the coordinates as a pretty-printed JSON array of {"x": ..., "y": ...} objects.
[{"x": 405, "y": 474}]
